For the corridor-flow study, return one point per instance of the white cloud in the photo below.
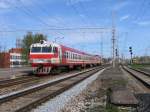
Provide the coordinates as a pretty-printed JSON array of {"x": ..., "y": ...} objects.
[
  {"x": 143, "y": 23},
  {"x": 125, "y": 17}
]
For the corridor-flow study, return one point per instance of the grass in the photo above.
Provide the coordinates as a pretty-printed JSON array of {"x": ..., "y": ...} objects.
[
  {"x": 120, "y": 81},
  {"x": 140, "y": 65},
  {"x": 111, "y": 108}
]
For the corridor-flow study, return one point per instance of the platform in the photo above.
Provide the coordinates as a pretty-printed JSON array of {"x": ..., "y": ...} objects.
[{"x": 123, "y": 97}]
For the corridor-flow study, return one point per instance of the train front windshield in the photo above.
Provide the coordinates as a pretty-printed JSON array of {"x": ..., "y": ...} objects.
[
  {"x": 46, "y": 49},
  {"x": 35, "y": 49},
  {"x": 41, "y": 49}
]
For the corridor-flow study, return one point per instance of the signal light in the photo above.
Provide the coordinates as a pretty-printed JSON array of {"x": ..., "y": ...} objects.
[{"x": 130, "y": 50}]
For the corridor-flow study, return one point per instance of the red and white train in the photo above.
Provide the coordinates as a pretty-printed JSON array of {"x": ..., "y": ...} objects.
[{"x": 45, "y": 56}]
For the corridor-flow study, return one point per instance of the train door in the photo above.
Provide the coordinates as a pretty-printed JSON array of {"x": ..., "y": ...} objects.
[{"x": 60, "y": 54}]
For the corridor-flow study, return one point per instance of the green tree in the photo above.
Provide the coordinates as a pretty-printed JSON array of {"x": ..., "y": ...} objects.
[{"x": 29, "y": 39}]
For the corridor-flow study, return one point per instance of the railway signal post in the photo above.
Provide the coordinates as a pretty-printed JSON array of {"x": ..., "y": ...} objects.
[{"x": 130, "y": 50}]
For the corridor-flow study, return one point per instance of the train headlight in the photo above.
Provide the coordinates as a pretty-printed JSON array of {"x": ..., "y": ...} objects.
[{"x": 49, "y": 61}]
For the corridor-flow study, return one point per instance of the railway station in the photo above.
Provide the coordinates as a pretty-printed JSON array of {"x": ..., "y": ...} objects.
[{"x": 74, "y": 56}]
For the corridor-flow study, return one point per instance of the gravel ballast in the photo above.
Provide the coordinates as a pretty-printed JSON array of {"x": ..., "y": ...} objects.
[
  {"x": 58, "y": 103},
  {"x": 94, "y": 98}
]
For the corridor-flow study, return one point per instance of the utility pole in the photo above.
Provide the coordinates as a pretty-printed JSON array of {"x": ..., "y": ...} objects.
[
  {"x": 124, "y": 46},
  {"x": 101, "y": 45},
  {"x": 113, "y": 40}
]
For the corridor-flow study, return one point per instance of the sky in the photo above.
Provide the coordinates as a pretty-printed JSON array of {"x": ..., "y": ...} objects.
[{"x": 50, "y": 17}]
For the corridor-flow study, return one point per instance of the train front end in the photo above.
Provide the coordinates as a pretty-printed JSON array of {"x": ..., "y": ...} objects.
[{"x": 43, "y": 57}]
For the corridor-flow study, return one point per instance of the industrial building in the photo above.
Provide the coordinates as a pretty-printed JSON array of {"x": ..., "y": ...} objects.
[{"x": 13, "y": 58}]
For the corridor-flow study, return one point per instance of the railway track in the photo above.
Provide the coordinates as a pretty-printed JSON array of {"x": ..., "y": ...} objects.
[
  {"x": 23, "y": 82},
  {"x": 16, "y": 81},
  {"x": 20, "y": 80},
  {"x": 141, "y": 76},
  {"x": 24, "y": 100},
  {"x": 141, "y": 71}
]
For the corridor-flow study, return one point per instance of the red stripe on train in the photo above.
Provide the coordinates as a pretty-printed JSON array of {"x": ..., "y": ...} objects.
[{"x": 41, "y": 56}]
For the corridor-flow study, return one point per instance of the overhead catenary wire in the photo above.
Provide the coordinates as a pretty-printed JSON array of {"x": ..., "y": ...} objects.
[
  {"x": 76, "y": 11},
  {"x": 45, "y": 11},
  {"x": 37, "y": 17},
  {"x": 141, "y": 8},
  {"x": 29, "y": 13},
  {"x": 144, "y": 11},
  {"x": 57, "y": 29},
  {"x": 85, "y": 12}
]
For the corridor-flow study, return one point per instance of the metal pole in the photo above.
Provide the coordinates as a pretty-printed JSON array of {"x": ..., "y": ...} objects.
[
  {"x": 102, "y": 45},
  {"x": 113, "y": 46},
  {"x": 131, "y": 58},
  {"x": 113, "y": 40}
]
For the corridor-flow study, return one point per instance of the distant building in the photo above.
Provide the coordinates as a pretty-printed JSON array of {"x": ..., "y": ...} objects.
[
  {"x": 16, "y": 57},
  {"x": 4, "y": 60},
  {"x": 13, "y": 58}
]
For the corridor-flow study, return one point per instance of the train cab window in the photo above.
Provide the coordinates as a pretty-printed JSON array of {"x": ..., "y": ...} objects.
[
  {"x": 35, "y": 49},
  {"x": 47, "y": 49},
  {"x": 55, "y": 49}
]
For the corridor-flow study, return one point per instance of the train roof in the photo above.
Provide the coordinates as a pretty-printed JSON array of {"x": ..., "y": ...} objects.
[
  {"x": 78, "y": 51},
  {"x": 44, "y": 43},
  {"x": 48, "y": 43}
]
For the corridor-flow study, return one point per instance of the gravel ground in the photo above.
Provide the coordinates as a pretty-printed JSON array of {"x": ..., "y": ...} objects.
[
  {"x": 56, "y": 104},
  {"x": 93, "y": 99},
  {"x": 21, "y": 101}
]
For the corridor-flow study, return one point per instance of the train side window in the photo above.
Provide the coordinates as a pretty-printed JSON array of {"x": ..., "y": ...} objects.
[
  {"x": 64, "y": 56},
  {"x": 70, "y": 55},
  {"x": 67, "y": 55}
]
